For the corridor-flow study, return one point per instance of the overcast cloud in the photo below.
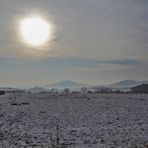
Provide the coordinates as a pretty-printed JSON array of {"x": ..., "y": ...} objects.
[{"x": 96, "y": 42}]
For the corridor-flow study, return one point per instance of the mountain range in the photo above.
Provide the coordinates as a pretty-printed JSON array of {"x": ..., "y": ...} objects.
[
  {"x": 72, "y": 84},
  {"x": 127, "y": 84}
]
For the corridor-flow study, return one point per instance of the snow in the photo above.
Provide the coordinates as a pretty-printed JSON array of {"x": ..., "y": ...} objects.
[{"x": 73, "y": 120}]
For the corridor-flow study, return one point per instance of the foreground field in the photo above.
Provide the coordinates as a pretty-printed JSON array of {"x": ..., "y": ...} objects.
[{"x": 73, "y": 121}]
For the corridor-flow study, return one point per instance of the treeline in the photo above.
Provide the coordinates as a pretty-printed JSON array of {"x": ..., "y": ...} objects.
[
  {"x": 2, "y": 92},
  {"x": 143, "y": 88}
]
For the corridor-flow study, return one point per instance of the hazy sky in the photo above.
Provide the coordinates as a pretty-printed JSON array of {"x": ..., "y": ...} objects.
[{"x": 94, "y": 41}]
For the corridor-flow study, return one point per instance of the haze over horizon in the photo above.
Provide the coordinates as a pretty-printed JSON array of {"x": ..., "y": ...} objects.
[{"x": 93, "y": 42}]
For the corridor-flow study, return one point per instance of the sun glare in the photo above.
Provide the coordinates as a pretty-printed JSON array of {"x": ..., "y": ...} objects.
[{"x": 35, "y": 31}]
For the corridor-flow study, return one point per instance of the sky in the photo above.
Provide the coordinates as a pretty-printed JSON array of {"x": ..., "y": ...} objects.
[{"x": 94, "y": 41}]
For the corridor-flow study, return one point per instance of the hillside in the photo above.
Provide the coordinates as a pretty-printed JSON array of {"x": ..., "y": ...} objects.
[{"x": 66, "y": 84}]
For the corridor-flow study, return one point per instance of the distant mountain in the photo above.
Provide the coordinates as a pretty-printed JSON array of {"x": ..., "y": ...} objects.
[
  {"x": 127, "y": 83},
  {"x": 66, "y": 84},
  {"x": 144, "y": 82}
]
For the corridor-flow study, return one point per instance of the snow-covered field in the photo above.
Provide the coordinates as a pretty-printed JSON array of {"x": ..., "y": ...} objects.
[{"x": 73, "y": 121}]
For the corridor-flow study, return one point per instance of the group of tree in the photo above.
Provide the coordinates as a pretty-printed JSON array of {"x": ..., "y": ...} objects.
[
  {"x": 2, "y": 92},
  {"x": 143, "y": 88}
]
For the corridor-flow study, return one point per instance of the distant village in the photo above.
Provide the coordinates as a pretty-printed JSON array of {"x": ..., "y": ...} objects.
[{"x": 142, "y": 88}]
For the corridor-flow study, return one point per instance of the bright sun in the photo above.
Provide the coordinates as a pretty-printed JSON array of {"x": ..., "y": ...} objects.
[{"x": 35, "y": 31}]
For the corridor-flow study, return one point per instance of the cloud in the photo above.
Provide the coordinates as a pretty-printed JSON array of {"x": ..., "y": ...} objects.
[
  {"x": 123, "y": 62},
  {"x": 102, "y": 28},
  {"x": 71, "y": 62},
  {"x": 60, "y": 62},
  {"x": 97, "y": 39}
]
